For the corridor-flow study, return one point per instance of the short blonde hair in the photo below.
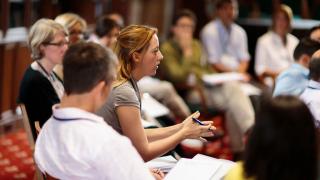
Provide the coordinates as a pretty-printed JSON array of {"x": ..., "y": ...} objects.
[
  {"x": 41, "y": 32},
  {"x": 68, "y": 20},
  {"x": 133, "y": 38}
]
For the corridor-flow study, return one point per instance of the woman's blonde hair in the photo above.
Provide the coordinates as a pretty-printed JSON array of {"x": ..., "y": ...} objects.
[
  {"x": 68, "y": 20},
  {"x": 286, "y": 10},
  {"x": 42, "y": 32},
  {"x": 133, "y": 38}
]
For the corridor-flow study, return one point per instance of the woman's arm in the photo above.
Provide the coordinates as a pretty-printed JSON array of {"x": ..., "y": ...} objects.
[
  {"x": 129, "y": 118},
  {"x": 160, "y": 133}
]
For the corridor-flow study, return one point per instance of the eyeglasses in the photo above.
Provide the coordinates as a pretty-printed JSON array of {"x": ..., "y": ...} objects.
[{"x": 59, "y": 44}]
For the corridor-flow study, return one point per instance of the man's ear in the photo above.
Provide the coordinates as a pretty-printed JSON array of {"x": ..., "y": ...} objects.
[
  {"x": 136, "y": 57},
  {"x": 305, "y": 59}
]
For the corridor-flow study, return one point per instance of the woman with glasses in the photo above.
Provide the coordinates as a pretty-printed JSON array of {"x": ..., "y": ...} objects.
[
  {"x": 40, "y": 87},
  {"x": 76, "y": 27},
  {"x": 74, "y": 24}
]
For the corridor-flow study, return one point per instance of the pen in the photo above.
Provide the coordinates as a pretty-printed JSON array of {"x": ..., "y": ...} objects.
[{"x": 198, "y": 121}]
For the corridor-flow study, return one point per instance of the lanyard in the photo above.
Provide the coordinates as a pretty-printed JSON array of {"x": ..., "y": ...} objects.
[
  {"x": 69, "y": 119},
  {"x": 45, "y": 71},
  {"x": 55, "y": 82},
  {"x": 224, "y": 37},
  {"x": 136, "y": 88}
]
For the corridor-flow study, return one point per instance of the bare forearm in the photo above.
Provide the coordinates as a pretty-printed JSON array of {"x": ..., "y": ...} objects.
[
  {"x": 220, "y": 67},
  {"x": 243, "y": 67},
  {"x": 160, "y": 133},
  {"x": 270, "y": 73},
  {"x": 162, "y": 146}
]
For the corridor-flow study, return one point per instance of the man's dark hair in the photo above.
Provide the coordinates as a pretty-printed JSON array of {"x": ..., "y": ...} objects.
[
  {"x": 221, "y": 3},
  {"x": 85, "y": 64},
  {"x": 104, "y": 26},
  {"x": 305, "y": 46},
  {"x": 283, "y": 141},
  {"x": 184, "y": 13},
  {"x": 314, "y": 67}
]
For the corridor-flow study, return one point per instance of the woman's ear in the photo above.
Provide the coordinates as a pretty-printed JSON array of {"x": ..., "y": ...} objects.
[{"x": 136, "y": 57}]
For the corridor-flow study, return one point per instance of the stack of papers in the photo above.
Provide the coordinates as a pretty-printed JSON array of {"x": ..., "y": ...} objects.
[
  {"x": 201, "y": 167},
  {"x": 165, "y": 163},
  {"x": 226, "y": 165},
  {"x": 218, "y": 78}
]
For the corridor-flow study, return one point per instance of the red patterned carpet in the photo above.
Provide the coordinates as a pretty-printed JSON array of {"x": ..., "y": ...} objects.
[{"x": 16, "y": 156}]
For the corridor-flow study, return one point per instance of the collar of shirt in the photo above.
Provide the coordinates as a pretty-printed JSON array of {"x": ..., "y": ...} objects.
[
  {"x": 74, "y": 113},
  {"x": 313, "y": 85},
  {"x": 301, "y": 68}
]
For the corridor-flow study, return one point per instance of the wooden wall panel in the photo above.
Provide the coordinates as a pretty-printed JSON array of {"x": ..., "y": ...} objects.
[
  {"x": 21, "y": 63},
  {"x": 7, "y": 62}
]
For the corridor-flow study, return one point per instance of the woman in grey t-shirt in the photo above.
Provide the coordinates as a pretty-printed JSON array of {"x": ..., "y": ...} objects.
[{"x": 137, "y": 48}]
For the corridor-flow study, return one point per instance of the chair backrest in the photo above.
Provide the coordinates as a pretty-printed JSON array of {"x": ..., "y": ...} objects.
[{"x": 27, "y": 126}]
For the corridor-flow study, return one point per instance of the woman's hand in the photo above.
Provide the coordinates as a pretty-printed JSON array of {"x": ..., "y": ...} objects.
[{"x": 193, "y": 130}]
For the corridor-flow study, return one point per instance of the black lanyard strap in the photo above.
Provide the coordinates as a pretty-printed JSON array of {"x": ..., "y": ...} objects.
[{"x": 69, "y": 119}]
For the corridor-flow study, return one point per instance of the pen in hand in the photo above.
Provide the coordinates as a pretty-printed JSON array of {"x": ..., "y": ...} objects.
[{"x": 198, "y": 121}]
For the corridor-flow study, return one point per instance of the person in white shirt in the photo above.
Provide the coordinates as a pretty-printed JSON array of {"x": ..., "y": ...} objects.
[
  {"x": 311, "y": 95},
  {"x": 274, "y": 51},
  {"x": 77, "y": 144},
  {"x": 226, "y": 42}
]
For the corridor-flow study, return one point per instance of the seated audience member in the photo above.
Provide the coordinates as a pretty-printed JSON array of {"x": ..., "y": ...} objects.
[
  {"x": 106, "y": 32},
  {"x": 117, "y": 18},
  {"x": 77, "y": 144},
  {"x": 294, "y": 80},
  {"x": 311, "y": 95},
  {"x": 40, "y": 87},
  {"x": 282, "y": 144},
  {"x": 314, "y": 33},
  {"x": 224, "y": 41},
  {"x": 274, "y": 52},
  {"x": 138, "y": 51},
  {"x": 182, "y": 59},
  {"x": 76, "y": 27}
]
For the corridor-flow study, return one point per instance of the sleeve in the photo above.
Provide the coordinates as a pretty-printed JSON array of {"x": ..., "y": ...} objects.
[
  {"x": 39, "y": 97},
  {"x": 124, "y": 95},
  {"x": 283, "y": 85},
  {"x": 243, "y": 46},
  {"x": 197, "y": 67},
  {"x": 121, "y": 161},
  {"x": 260, "y": 58},
  {"x": 174, "y": 71},
  {"x": 210, "y": 41}
]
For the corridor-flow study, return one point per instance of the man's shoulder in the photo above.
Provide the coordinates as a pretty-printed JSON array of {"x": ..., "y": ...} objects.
[
  {"x": 292, "y": 71},
  {"x": 210, "y": 28}
]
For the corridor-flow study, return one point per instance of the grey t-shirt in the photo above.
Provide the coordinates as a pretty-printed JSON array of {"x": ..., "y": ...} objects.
[{"x": 126, "y": 94}]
